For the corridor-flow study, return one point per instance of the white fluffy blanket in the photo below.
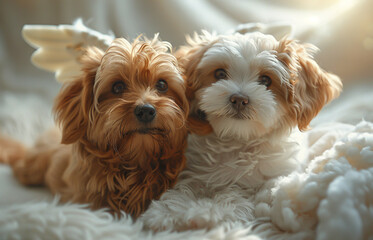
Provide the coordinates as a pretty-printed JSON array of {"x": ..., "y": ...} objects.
[{"x": 331, "y": 199}]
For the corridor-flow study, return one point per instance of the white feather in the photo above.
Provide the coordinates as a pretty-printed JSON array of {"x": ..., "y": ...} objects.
[
  {"x": 58, "y": 48},
  {"x": 279, "y": 30}
]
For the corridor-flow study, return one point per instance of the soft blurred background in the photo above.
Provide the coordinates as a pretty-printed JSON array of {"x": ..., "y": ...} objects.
[{"x": 342, "y": 29}]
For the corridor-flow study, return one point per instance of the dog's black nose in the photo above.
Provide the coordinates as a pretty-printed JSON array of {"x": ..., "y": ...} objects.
[
  {"x": 239, "y": 101},
  {"x": 145, "y": 113}
]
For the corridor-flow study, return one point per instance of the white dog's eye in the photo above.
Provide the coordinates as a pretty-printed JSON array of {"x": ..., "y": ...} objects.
[
  {"x": 201, "y": 114},
  {"x": 265, "y": 80},
  {"x": 118, "y": 87},
  {"x": 161, "y": 86},
  {"x": 220, "y": 74}
]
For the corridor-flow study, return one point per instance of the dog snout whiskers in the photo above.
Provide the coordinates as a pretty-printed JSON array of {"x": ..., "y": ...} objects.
[
  {"x": 238, "y": 101},
  {"x": 145, "y": 113}
]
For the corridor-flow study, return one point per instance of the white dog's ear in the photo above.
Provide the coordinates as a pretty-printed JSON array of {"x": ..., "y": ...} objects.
[
  {"x": 312, "y": 87},
  {"x": 189, "y": 57},
  {"x": 73, "y": 103}
]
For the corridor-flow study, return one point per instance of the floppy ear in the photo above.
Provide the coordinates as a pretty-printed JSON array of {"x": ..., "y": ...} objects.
[
  {"x": 312, "y": 87},
  {"x": 189, "y": 57},
  {"x": 164, "y": 46},
  {"x": 75, "y": 99}
]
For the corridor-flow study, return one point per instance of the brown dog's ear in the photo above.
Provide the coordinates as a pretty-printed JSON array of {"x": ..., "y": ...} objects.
[
  {"x": 189, "y": 57},
  {"x": 312, "y": 86},
  {"x": 75, "y": 99}
]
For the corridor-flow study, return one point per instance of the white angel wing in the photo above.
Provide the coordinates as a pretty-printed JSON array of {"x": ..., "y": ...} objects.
[
  {"x": 278, "y": 30},
  {"x": 60, "y": 47}
]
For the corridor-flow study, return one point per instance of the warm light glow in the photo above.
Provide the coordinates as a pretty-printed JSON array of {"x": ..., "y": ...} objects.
[
  {"x": 314, "y": 20},
  {"x": 341, "y": 7},
  {"x": 368, "y": 43},
  {"x": 326, "y": 15},
  {"x": 347, "y": 4}
]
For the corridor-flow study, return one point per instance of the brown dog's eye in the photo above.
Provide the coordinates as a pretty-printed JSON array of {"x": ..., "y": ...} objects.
[
  {"x": 265, "y": 80},
  {"x": 162, "y": 86},
  {"x": 220, "y": 74},
  {"x": 118, "y": 87}
]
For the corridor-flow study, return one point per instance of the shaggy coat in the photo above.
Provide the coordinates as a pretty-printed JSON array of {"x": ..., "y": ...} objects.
[{"x": 115, "y": 152}]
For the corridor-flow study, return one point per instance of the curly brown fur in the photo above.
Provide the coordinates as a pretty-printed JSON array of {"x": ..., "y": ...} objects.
[{"x": 110, "y": 158}]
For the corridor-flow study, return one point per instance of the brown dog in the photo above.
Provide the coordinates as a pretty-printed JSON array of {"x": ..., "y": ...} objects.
[{"x": 123, "y": 130}]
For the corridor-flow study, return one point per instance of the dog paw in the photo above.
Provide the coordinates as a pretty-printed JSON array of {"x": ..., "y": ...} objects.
[
  {"x": 177, "y": 223},
  {"x": 199, "y": 223},
  {"x": 209, "y": 213},
  {"x": 158, "y": 219},
  {"x": 30, "y": 170},
  {"x": 202, "y": 215},
  {"x": 158, "y": 223}
]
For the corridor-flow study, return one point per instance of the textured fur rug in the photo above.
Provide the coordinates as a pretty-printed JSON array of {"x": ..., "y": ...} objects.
[{"x": 332, "y": 198}]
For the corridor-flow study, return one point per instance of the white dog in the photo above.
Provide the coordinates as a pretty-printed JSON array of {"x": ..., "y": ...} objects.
[{"x": 247, "y": 93}]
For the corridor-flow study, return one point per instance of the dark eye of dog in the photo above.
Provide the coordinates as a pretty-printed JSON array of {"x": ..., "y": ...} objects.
[
  {"x": 118, "y": 87},
  {"x": 265, "y": 80},
  {"x": 162, "y": 86},
  {"x": 220, "y": 74},
  {"x": 201, "y": 114}
]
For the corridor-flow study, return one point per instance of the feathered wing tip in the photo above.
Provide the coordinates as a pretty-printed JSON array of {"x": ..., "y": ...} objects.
[
  {"x": 278, "y": 30},
  {"x": 59, "y": 48}
]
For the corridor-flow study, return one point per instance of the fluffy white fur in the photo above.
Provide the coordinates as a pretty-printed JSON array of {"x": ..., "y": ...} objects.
[
  {"x": 220, "y": 181},
  {"x": 75, "y": 222},
  {"x": 333, "y": 197}
]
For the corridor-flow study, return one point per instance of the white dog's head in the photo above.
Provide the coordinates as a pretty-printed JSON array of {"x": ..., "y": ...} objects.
[{"x": 248, "y": 86}]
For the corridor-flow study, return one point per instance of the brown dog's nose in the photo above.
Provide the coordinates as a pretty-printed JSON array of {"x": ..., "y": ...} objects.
[
  {"x": 239, "y": 101},
  {"x": 145, "y": 113}
]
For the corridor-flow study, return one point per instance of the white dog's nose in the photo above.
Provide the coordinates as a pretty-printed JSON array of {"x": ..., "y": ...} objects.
[{"x": 239, "y": 101}]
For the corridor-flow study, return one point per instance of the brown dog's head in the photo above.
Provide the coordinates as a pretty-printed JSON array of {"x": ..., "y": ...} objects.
[
  {"x": 130, "y": 100},
  {"x": 251, "y": 85}
]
